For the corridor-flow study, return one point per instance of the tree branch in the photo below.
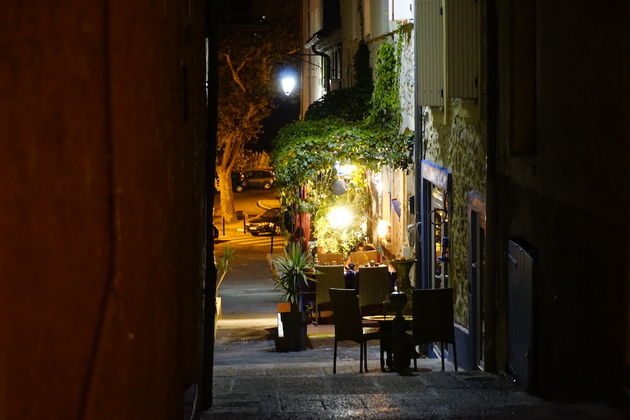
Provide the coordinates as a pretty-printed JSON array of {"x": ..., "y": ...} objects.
[{"x": 235, "y": 72}]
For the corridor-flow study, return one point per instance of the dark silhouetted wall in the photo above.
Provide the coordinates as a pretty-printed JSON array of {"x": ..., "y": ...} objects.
[
  {"x": 103, "y": 170},
  {"x": 563, "y": 168}
]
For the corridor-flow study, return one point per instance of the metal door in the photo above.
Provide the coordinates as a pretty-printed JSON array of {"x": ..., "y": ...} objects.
[{"x": 520, "y": 312}]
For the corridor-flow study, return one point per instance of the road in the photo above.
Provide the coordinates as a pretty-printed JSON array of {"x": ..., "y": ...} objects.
[
  {"x": 246, "y": 200},
  {"x": 248, "y": 297}
]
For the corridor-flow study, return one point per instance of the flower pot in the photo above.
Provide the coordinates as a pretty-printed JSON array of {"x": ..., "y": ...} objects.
[
  {"x": 402, "y": 272},
  {"x": 291, "y": 331}
]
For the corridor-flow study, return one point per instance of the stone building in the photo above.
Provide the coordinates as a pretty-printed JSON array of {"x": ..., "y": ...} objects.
[
  {"x": 514, "y": 143},
  {"x": 519, "y": 204},
  {"x": 334, "y": 29}
]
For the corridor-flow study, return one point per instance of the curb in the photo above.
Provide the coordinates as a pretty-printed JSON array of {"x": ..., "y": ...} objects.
[{"x": 260, "y": 203}]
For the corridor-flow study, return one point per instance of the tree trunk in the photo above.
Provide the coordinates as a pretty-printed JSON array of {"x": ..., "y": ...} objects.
[{"x": 226, "y": 195}]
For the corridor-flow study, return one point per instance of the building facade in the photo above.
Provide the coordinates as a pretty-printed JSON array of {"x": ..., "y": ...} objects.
[{"x": 516, "y": 200}]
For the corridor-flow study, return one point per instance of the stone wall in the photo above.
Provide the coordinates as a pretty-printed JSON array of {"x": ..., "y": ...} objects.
[
  {"x": 407, "y": 82},
  {"x": 459, "y": 145}
]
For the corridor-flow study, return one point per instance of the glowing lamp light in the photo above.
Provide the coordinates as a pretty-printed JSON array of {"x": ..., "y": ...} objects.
[
  {"x": 345, "y": 169},
  {"x": 288, "y": 83},
  {"x": 382, "y": 228},
  {"x": 340, "y": 217}
]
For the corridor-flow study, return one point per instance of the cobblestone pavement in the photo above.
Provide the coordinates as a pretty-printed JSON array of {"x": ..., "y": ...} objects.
[{"x": 251, "y": 380}]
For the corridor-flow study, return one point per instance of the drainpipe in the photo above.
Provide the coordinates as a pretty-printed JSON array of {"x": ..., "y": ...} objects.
[
  {"x": 326, "y": 66},
  {"x": 418, "y": 156},
  {"x": 312, "y": 44}
]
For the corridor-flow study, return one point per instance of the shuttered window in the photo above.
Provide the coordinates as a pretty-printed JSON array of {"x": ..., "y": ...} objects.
[{"x": 448, "y": 48}]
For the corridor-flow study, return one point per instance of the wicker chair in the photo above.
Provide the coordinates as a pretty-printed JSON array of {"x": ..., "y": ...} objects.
[
  {"x": 373, "y": 255},
  {"x": 374, "y": 288},
  {"x": 331, "y": 276},
  {"x": 433, "y": 320},
  {"x": 330, "y": 258},
  {"x": 359, "y": 258},
  {"x": 348, "y": 324}
]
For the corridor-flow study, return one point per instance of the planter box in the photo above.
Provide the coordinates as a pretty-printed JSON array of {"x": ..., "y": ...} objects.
[
  {"x": 217, "y": 315},
  {"x": 291, "y": 331}
]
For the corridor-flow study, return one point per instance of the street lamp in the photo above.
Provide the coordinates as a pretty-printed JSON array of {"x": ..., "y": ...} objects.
[{"x": 288, "y": 83}]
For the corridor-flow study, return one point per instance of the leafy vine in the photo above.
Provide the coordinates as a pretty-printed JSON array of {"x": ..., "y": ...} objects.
[{"x": 358, "y": 125}]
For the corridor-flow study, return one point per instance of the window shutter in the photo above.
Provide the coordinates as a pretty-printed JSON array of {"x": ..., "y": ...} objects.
[
  {"x": 462, "y": 29},
  {"x": 447, "y": 39},
  {"x": 429, "y": 40}
]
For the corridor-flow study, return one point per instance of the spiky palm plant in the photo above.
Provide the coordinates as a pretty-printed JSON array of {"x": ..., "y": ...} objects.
[{"x": 292, "y": 273}]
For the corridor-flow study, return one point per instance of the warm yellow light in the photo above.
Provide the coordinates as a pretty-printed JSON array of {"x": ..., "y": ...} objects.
[
  {"x": 346, "y": 169},
  {"x": 382, "y": 228},
  {"x": 340, "y": 217}
]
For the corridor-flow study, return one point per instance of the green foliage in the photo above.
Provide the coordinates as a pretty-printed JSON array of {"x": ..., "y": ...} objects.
[
  {"x": 292, "y": 272},
  {"x": 385, "y": 104},
  {"x": 304, "y": 149},
  {"x": 223, "y": 264},
  {"x": 350, "y": 104},
  {"x": 345, "y": 127},
  {"x": 356, "y": 200}
]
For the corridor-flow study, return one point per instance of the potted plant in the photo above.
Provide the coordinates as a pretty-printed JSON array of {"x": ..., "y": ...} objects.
[{"x": 293, "y": 272}]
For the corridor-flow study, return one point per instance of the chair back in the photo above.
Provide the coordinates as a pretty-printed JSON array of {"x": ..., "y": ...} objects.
[
  {"x": 433, "y": 316},
  {"x": 330, "y": 258},
  {"x": 374, "y": 286},
  {"x": 373, "y": 255},
  {"x": 346, "y": 314},
  {"x": 359, "y": 258},
  {"x": 331, "y": 276}
]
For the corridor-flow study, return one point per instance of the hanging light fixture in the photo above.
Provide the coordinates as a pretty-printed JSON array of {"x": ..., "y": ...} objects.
[{"x": 288, "y": 83}]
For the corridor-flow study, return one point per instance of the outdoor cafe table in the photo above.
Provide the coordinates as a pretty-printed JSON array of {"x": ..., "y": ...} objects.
[{"x": 387, "y": 337}]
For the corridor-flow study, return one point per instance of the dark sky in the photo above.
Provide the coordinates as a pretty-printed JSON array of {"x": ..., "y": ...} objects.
[
  {"x": 241, "y": 11},
  {"x": 286, "y": 112}
]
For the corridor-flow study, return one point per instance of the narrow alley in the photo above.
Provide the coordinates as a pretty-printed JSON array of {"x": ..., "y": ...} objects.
[{"x": 254, "y": 381}]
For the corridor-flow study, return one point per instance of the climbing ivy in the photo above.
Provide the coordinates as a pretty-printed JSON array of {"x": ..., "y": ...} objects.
[
  {"x": 358, "y": 125},
  {"x": 350, "y": 104},
  {"x": 385, "y": 103}
]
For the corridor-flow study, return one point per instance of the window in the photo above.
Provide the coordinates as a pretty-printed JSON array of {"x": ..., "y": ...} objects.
[
  {"x": 401, "y": 10},
  {"x": 336, "y": 75},
  {"x": 448, "y": 50}
]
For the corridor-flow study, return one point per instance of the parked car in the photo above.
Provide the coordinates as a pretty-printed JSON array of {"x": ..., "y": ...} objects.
[
  {"x": 268, "y": 222},
  {"x": 238, "y": 182},
  {"x": 259, "y": 178}
]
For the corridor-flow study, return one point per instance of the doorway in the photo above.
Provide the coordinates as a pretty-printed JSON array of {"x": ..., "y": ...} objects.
[
  {"x": 436, "y": 206},
  {"x": 438, "y": 220},
  {"x": 477, "y": 261}
]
